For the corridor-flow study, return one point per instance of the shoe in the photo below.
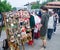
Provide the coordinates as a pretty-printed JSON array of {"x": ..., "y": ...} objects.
[
  {"x": 54, "y": 32},
  {"x": 43, "y": 46},
  {"x": 48, "y": 39}
]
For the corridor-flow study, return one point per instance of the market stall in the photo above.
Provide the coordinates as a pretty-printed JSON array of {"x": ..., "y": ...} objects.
[
  {"x": 18, "y": 31},
  {"x": 53, "y": 5}
]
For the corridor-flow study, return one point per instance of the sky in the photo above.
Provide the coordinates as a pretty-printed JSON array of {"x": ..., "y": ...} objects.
[{"x": 19, "y": 3}]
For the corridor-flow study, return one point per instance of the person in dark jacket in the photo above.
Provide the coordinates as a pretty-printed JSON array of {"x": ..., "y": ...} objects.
[
  {"x": 39, "y": 14},
  {"x": 44, "y": 24},
  {"x": 32, "y": 25},
  {"x": 1, "y": 23}
]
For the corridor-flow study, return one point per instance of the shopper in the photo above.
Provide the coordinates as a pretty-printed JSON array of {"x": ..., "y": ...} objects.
[
  {"x": 55, "y": 20},
  {"x": 50, "y": 26},
  {"x": 37, "y": 23},
  {"x": 43, "y": 25},
  {"x": 32, "y": 25}
]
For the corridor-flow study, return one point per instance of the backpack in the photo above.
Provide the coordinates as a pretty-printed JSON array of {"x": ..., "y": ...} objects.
[{"x": 5, "y": 44}]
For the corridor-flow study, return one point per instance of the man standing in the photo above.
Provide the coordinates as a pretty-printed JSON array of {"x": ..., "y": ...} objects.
[{"x": 44, "y": 25}]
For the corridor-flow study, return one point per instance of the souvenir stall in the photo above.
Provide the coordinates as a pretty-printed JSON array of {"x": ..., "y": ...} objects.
[{"x": 18, "y": 31}]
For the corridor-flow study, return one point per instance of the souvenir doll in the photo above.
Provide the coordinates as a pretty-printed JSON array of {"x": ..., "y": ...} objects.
[
  {"x": 12, "y": 39},
  {"x": 23, "y": 34}
]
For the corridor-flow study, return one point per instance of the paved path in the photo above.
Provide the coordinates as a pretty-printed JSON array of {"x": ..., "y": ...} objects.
[
  {"x": 53, "y": 44},
  {"x": 3, "y": 36}
]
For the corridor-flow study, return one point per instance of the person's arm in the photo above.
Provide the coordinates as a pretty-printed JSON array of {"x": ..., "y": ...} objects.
[
  {"x": 32, "y": 22},
  {"x": 57, "y": 16},
  {"x": 42, "y": 21}
]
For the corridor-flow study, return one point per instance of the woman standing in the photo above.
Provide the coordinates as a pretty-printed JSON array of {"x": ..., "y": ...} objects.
[{"x": 37, "y": 23}]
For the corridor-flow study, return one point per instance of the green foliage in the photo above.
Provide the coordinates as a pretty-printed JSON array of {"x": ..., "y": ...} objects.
[
  {"x": 44, "y": 3},
  {"x": 58, "y": 0},
  {"x": 50, "y": 0},
  {"x": 14, "y": 8},
  {"x": 36, "y": 5},
  {"x": 4, "y": 6}
]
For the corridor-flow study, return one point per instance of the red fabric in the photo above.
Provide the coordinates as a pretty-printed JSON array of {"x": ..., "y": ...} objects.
[
  {"x": 26, "y": 19},
  {"x": 37, "y": 35},
  {"x": 30, "y": 42},
  {"x": 23, "y": 30}
]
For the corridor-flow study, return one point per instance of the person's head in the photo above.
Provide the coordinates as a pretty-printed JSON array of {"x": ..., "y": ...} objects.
[
  {"x": 43, "y": 9},
  {"x": 20, "y": 11}
]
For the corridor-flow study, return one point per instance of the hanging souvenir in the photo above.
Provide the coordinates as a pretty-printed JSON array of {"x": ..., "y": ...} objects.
[{"x": 12, "y": 39}]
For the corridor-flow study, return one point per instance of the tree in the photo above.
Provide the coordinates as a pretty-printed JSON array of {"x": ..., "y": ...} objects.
[
  {"x": 58, "y": 0},
  {"x": 36, "y": 5},
  {"x": 4, "y": 6},
  {"x": 51, "y": 0},
  {"x": 14, "y": 8}
]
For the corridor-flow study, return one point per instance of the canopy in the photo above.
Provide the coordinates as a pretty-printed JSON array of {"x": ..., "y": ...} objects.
[{"x": 53, "y": 5}]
